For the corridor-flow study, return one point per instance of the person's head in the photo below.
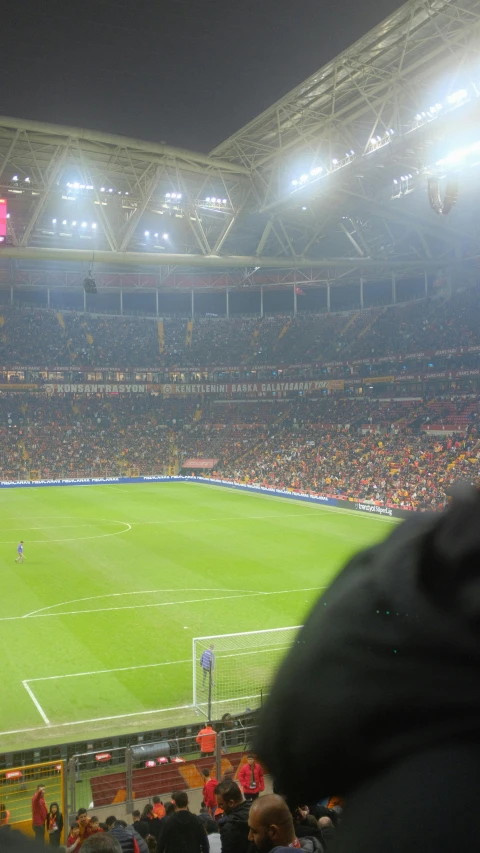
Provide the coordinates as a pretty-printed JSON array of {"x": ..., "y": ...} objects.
[
  {"x": 74, "y": 829},
  {"x": 271, "y": 823},
  {"x": 228, "y": 795},
  {"x": 251, "y": 759},
  {"x": 212, "y": 647},
  {"x": 102, "y": 842},
  {"x": 94, "y": 823},
  {"x": 206, "y": 773},
  {"x": 147, "y": 812},
  {"x": 122, "y": 823},
  {"x": 325, "y": 822},
  {"x": 41, "y": 790},
  {"x": 136, "y": 815},
  {"x": 54, "y": 808},
  {"x": 180, "y": 800},
  {"x": 211, "y": 826},
  {"x": 151, "y": 844},
  {"x": 169, "y": 809},
  {"x": 110, "y": 821},
  {"x": 156, "y": 801},
  {"x": 82, "y": 817}
]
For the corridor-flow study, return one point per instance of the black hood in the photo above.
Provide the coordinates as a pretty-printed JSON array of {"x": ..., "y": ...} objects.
[{"x": 388, "y": 662}]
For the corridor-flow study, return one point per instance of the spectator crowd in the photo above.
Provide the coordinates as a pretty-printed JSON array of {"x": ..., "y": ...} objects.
[
  {"x": 41, "y": 337},
  {"x": 393, "y": 451},
  {"x": 233, "y": 818}
]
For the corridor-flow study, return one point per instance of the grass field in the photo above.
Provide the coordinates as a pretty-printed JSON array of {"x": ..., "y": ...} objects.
[{"x": 96, "y": 626}]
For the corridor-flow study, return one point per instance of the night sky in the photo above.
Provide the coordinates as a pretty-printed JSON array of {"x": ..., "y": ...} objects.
[{"x": 185, "y": 72}]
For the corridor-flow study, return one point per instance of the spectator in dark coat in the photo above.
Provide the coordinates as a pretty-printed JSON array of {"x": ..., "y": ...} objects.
[
  {"x": 130, "y": 841},
  {"x": 139, "y": 825},
  {"x": 234, "y": 822},
  {"x": 182, "y": 832},
  {"x": 396, "y": 639},
  {"x": 271, "y": 827}
]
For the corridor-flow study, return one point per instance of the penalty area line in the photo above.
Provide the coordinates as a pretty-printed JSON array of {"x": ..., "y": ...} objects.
[
  {"x": 36, "y": 703},
  {"x": 93, "y": 719}
]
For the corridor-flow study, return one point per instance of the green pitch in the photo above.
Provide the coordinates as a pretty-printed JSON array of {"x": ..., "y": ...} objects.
[{"x": 96, "y": 626}]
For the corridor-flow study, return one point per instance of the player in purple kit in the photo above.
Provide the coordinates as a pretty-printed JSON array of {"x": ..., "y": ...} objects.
[{"x": 21, "y": 557}]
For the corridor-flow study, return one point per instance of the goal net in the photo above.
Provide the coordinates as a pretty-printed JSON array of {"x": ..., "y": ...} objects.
[{"x": 241, "y": 668}]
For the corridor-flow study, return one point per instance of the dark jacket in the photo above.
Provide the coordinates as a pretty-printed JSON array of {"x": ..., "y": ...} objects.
[
  {"x": 234, "y": 830},
  {"x": 396, "y": 639},
  {"x": 155, "y": 825},
  {"x": 142, "y": 827},
  {"x": 182, "y": 832},
  {"x": 126, "y": 837}
]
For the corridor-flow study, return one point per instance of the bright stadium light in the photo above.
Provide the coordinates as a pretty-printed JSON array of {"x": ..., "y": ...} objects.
[
  {"x": 335, "y": 161},
  {"x": 15, "y": 178},
  {"x": 164, "y": 236},
  {"x": 94, "y": 225},
  {"x": 102, "y": 189},
  {"x": 155, "y": 235},
  {"x": 208, "y": 199},
  {"x": 147, "y": 233},
  {"x": 27, "y": 180},
  {"x": 84, "y": 224},
  {"x": 224, "y": 201},
  {"x": 179, "y": 195},
  {"x": 54, "y": 221},
  {"x": 316, "y": 171},
  {"x": 457, "y": 97},
  {"x": 64, "y": 222},
  {"x": 294, "y": 184},
  {"x": 74, "y": 223},
  {"x": 167, "y": 195},
  {"x": 303, "y": 179}
]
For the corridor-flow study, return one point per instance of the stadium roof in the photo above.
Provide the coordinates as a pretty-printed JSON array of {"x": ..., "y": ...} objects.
[{"x": 332, "y": 178}]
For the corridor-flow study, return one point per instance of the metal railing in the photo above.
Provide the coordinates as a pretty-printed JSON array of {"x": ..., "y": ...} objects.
[
  {"x": 123, "y": 775},
  {"x": 19, "y": 784}
]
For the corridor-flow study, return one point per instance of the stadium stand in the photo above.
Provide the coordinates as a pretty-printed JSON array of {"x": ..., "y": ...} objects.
[{"x": 42, "y": 337}]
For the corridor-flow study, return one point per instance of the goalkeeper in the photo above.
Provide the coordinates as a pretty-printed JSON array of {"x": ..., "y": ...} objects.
[{"x": 207, "y": 663}]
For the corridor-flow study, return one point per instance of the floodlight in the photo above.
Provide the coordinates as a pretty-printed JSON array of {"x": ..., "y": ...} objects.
[
  {"x": 147, "y": 233},
  {"x": 164, "y": 236},
  {"x": 303, "y": 178},
  {"x": 54, "y": 221}
]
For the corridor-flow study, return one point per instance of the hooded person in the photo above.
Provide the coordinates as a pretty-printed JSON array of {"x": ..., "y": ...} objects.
[{"x": 380, "y": 693}]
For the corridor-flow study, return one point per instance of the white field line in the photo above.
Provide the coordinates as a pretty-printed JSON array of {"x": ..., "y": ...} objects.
[
  {"x": 103, "y": 671},
  {"x": 135, "y": 592},
  {"x": 36, "y": 703},
  {"x": 297, "y": 501},
  {"x": 127, "y": 528},
  {"x": 148, "y": 665},
  {"x": 159, "y": 604},
  {"x": 279, "y": 516},
  {"x": 96, "y": 720}
]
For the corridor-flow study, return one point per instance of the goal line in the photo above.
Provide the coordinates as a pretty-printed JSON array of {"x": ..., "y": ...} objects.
[{"x": 232, "y": 673}]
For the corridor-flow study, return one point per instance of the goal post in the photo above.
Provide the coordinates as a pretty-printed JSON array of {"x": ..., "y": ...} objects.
[{"x": 233, "y": 672}]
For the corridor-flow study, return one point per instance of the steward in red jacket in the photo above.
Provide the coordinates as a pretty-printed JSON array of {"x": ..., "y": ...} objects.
[
  {"x": 209, "y": 791},
  {"x": 250, "y": 777},
  {"x": 39, "y": 812}
]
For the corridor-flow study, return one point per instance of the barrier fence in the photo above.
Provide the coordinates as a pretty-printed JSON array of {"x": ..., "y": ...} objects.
[
  {"x": 119, "y": 777},
  {"x": 19, "y": 784}
]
